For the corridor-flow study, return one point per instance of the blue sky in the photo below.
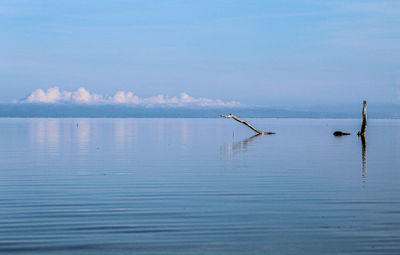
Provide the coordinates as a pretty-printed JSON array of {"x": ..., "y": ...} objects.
[{"x": 269, "y": 53}]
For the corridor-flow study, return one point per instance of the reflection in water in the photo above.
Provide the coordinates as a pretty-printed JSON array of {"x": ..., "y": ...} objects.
[
  {"x": 160, "y": 130},
  {"x": 125, "y": 132},
  {"x": 364, "y": 157},
  {"x": 53, "y": 133},
  {"x": 83, "y": 130},
  {"x": 37, "y": 131},
  {"x": 120, "y": 133},
  {"x": 238, "y": 147},
  {"x": 46, "y": 132},
  {"x": 278, "y": 195},
  {"x": 184, "y": 131}
]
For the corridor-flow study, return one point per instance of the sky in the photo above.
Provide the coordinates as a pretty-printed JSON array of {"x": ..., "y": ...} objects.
[{"x": 210, "y": 52}]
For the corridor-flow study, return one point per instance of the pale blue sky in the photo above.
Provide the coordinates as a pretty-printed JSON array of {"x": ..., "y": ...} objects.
[{"x": 270, "y": 53}]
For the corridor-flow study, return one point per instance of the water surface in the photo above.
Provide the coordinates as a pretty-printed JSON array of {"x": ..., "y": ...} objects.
[{"x": 198, "y": 186}]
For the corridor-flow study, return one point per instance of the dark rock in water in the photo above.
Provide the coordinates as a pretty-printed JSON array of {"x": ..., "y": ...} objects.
[{"x": 340, "y": 133}]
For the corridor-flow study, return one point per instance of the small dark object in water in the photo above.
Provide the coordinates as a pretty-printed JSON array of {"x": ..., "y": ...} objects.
[{"x": 340, "y": 133}]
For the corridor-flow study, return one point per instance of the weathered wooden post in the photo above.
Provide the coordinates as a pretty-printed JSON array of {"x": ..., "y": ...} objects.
[{"x": 364, "y": 123}]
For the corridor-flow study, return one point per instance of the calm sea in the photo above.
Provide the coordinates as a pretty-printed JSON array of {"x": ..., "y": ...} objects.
[{"x": 198, "y": 186}]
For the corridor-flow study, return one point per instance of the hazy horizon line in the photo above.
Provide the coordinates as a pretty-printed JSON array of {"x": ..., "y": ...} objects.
[{"x": 117, "y": 110}]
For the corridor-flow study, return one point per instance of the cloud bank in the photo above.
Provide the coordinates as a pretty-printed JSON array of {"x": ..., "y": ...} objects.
[{"x": 83, "y": 96}]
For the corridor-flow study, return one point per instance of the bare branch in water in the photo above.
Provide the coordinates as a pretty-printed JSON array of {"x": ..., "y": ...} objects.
[{"x": 247, "y": 124}]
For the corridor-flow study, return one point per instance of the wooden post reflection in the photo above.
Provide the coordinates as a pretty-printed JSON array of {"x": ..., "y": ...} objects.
[{"x": 364, "y": 157}]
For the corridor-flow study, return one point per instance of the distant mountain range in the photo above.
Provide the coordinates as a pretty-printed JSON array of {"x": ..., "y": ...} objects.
[{"x": 118, "y": 111}]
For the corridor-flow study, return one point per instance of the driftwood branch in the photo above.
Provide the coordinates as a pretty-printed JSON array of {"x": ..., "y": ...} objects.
[
  {"x": 247, "y": 124},
  {"x": 364, "y": 123}
]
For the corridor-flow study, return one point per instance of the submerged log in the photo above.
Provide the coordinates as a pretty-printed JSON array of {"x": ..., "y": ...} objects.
[
  {"x": 247, "y": 124},
  {"x": 340, "y": 133},
  {"x": 364, "y": 123}
]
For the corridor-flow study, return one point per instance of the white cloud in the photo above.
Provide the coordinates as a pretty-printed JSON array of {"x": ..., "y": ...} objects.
[
  {"x": 52, "y": 95},
  {"x": 83, "y": 96}
]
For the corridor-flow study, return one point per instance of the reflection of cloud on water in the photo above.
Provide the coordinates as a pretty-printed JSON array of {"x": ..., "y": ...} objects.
[
  {"x": 233, "y": 149},
  {"x": 125, "y": 132},
  {"x": 120, "y": 132},
  {"x": 53, "y": 133},
  {"x": 160, "y": 130},
  {"x": 184, "y": 131},
  {"x": 46, "y": 133},
  {"x": 83, "y": 131},
  {"x": 37, "y": 131}
]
